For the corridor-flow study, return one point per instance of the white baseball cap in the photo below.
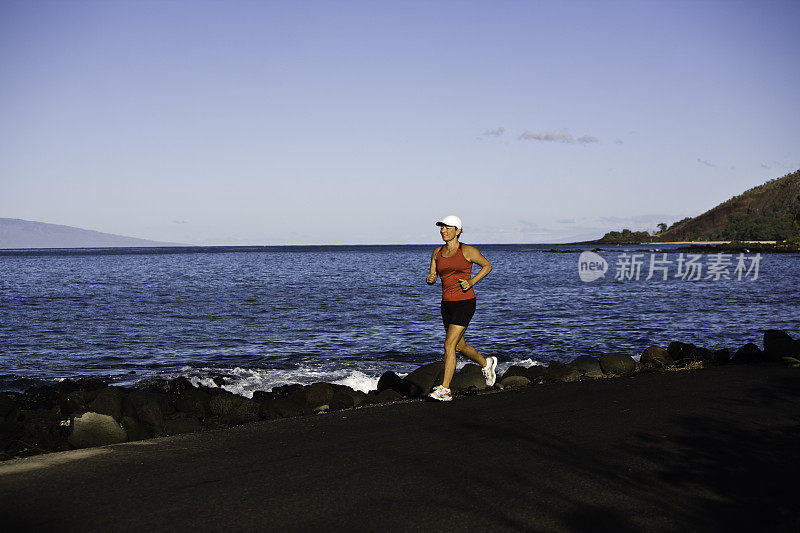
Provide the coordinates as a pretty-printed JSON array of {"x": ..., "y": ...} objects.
[{"x": 450, "y": 220}]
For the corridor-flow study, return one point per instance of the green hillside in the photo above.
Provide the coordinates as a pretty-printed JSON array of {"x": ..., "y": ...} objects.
[{"x": 769, "y": 212}]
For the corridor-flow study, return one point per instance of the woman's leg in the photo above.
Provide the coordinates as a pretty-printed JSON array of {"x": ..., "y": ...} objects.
[
  {"x": 454, "y": 334},
  {"x": 469, "y": 351}
]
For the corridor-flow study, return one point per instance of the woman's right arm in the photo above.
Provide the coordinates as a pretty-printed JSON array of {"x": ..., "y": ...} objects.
[{"x": 431, "y": 279}]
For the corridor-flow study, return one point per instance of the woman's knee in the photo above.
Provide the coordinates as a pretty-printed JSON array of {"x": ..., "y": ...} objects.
[{"x": 451, "y": 345}]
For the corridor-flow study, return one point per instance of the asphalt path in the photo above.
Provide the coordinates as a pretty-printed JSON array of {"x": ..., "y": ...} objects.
[{"x": 703, "y": 450}]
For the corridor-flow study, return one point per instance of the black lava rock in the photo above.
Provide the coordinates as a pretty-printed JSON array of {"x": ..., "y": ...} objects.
[
  {"x": 388, "y": 395},
  {"x": 260, "y": 395},
  {"x": 136, "y": 398},
  {"x": 391, "y": 381},
  {"x": 194, "y": 402},
  {"x": 720, "y": 357},
  {"x": 318, "y": 394},
  {"x": 341, "y": 400},
  {"x": 588, "y": 366},
  {"x": 95, "y": 429},
  {"x": 515, "y": 370},
  {"x": 514, "y": 382},
  {"x": 180, "y": 383},
  {"x": 535, "y": 373},
  {"x": 469, "y": 379},
  {"x": 680, "y": 350},
  {"x": 8, "y": 407},
  {"x": 703, "y": 355},
  {"x": 557, "y": 371},
  {"x": 151, "y": 415},
  {"x": 73, "y": 402},
  {"x": 471, "y": 368},
  {"x": 357, "y": 396},
  {"x": 655, "y": 357},
  {"x": 285, "y": 390},
  {"x": 749, "y": 353},
  {"x": 135, "y": 429},
  {"x": 426, "y": 377},
  {"x": 617, "y": 364},
  {"x": 778, "y": 344},
  {"x": 232, "y": 409},
  {"x": 43, "y": 397},
  {"x": 108, "y": 402},
  {"x": 282, "y": 407},
  {"x": 41, "y": 428},
  {"x": 67, "y": 386}
]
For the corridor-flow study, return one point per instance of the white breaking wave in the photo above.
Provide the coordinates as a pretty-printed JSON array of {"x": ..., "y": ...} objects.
[
  {"x": 502, "y": 365},
  {"x": 523, "y": 362},
  {"x": 245, "y": 381},
  {"x": 359, "y": 381}
]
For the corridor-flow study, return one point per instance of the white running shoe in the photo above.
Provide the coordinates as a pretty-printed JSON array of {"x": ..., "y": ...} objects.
[
  {"x": 488, "y": 371},
  {"x": 440, "y": 394}
]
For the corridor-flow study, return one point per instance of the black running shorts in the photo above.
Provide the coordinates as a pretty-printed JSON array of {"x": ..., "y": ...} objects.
[{"x": 459, "y": 312}]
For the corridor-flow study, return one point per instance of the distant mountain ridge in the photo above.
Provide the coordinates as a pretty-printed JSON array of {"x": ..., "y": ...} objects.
[
  {"x": 18, "y": 233},
  {"x": 769, "y": 212}
]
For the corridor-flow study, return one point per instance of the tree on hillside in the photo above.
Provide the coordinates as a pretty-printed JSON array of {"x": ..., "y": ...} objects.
[
  {"x": 763, "y": 227},
  {"x": 625, "y": 237},
  {"x": 678, "y": 223}
]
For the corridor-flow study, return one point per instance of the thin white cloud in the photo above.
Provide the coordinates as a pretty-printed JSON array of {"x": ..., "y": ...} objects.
[
  {"x": 498, "y": 132},
  {"x": 563, "y": 136},
  {"x": 635, "y": 222}
]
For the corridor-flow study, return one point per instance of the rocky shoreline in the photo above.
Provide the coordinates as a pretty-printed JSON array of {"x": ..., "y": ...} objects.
[
  {"x": 74, "y": 414},
  {"x": 742, "y": 248},
  {"x": 700, "y": 247}
]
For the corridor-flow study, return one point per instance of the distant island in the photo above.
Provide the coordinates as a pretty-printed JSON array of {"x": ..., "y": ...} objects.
[
  {"x": 769, "y": 212},
  {"x": 16, "y": 233}
]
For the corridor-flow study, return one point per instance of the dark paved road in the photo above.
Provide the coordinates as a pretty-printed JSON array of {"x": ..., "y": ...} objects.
[{"x": 704, "y": 450}]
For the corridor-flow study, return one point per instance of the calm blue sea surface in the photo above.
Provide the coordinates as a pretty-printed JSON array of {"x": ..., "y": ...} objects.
[{"x": 264, "y": 316}]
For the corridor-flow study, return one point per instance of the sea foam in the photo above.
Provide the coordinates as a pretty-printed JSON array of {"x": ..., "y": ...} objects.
[{"x": 245, "y": 381}]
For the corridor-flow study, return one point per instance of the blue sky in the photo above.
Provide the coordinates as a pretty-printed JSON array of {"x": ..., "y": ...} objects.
[{"x": 363, "y": 122}]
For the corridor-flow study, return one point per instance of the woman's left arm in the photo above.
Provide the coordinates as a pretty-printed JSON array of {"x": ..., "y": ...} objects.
[{"x": 472, "y": 255}]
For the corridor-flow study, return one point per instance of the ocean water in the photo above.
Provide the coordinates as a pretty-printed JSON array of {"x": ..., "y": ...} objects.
[{"x": 255, "y": 317}]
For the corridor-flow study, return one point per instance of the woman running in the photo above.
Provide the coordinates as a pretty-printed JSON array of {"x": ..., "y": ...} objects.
[{"x": 453, "y": 263}]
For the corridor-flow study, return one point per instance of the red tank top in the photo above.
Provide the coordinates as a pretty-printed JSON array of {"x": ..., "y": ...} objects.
[{"x": 451, "y": 269}]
